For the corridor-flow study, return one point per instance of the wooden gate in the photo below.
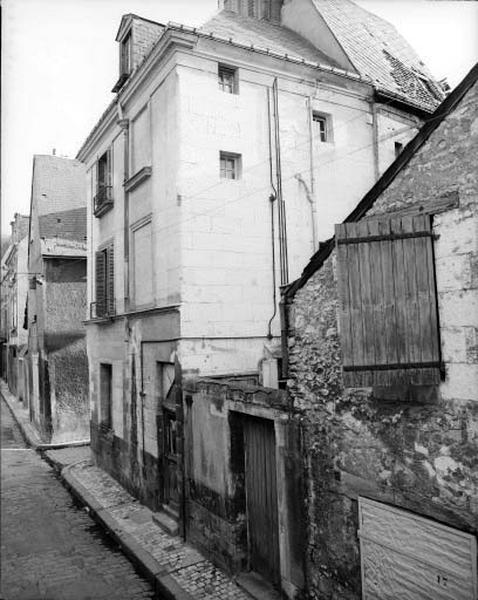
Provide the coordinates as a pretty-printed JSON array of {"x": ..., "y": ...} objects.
[
  {"x": 408, "y": 557},
  {"x": 261, "y": 498}
]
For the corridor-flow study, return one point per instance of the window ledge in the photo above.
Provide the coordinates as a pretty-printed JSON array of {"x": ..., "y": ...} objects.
[
  {"x": 102, "y": 208},
  {"x": 137, "y": 178}
]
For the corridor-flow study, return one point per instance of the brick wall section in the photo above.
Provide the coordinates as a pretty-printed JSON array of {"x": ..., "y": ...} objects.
[{"x": 414, "y": 448}]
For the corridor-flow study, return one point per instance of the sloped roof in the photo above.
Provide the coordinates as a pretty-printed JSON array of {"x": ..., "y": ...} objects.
[
  {"x": 65, "y": 224},
  {"x": 263, "y": 34},
  {"x": 443, "y": 110},
  {"x": 379, "y": 52},
  {"x": 59, "y": 197}
]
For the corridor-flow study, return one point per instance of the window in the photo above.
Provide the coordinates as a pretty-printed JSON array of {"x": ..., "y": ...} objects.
[
  {"x": 103, "y": 199},
  {"x": 398, "y": 148},
  {"x": 388, "y": 317},
  {"x": 322, "y": 127},
  {"x": 104, "y": 277},
  {"x": 142, "y": 263},
  {"x": 227, "y": 79},
  {"x": 229, "y": 165},
  {"x": 106, "y": 392},
  {"x": 126, "y": 58}
]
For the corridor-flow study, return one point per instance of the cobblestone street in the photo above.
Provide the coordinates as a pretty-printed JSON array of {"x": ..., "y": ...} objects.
[{"x": 51, "y": 549}]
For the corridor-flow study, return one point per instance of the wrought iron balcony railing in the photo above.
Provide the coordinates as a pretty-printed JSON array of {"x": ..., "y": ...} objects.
[{"x": 103, "y": 200}]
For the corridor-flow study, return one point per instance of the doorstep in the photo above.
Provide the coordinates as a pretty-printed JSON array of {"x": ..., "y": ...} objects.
[{"x": 257, "y": 587}]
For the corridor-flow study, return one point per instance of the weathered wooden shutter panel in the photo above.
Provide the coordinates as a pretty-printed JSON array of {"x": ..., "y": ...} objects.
[
  {"x": 110, "y": 278},
  {"x": 100, "y": 267},
  {"x": 388, "y": 312},
  {"x": 109, "y": 167}
]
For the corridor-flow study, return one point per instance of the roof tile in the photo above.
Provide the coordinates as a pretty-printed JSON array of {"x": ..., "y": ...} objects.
[{"x": 265, "y": 35}]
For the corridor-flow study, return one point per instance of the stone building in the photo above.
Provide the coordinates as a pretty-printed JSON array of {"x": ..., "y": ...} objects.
[
  {"x": 383, "y": 376},
  {"x": 14, "y": 289},
  {"x": 58, "y": 365},
  {"x": 226, "y": 152}
]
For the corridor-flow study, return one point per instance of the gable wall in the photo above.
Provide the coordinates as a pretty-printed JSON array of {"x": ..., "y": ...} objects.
[{"x": 413, "y": 448}]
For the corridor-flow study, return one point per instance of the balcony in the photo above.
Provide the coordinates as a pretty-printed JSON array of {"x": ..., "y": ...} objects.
[
  {"x": 102, "y": 310},
  {"x": 103, "y": 200}
]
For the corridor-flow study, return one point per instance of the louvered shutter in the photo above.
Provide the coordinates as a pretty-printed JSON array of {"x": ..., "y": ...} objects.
[
  {"x": 109, "y": 170},
  {"x": 100, "y": 271},
  {"x": 388, "y": 317},
  {"x": 110, "y": 280}
]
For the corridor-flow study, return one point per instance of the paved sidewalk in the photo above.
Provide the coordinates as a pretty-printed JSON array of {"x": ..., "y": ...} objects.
[
  {"x": 63, "y": 457},
  {"x": 21, "y": 415},
  {"x": 29, "y": 431},
  {"x": 179, "y": 571}
]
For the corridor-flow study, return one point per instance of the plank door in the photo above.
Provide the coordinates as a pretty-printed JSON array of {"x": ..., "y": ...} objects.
[
  {"x": 261, "y": 498},
  {"x": 407, "y": 557}
]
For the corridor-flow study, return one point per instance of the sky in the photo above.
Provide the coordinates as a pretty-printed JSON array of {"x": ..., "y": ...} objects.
[{"x": 60, "y": 61}]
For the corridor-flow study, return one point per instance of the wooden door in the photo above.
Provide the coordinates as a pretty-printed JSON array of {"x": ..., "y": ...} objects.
[
  {"x": 261, "y": 498},
  {"x": 167, "y": 433},
  {"x": 170, "y": 487}
]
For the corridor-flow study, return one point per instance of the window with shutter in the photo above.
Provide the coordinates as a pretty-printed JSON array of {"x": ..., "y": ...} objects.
[
  {"x": 110, "y": 279},
  {"x": 104, "y": 278},
  {"x": 100, "y": 277},
  {"x": 388, "y": 315}
]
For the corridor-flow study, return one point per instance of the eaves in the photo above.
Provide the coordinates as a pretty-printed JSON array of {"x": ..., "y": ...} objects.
[
  {"x": 171, "y": 39},
  {"x": 298, "y": 60},
  {"x": 107, "y": 119},
  {"x": 81, "y": 256}
]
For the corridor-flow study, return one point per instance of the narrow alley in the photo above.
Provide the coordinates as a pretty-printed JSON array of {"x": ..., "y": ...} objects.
[{"x": 51, "y": 549}]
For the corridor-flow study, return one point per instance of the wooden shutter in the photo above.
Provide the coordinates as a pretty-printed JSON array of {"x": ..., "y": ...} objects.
[
  {"x": 110, "y": 280},
  {"x": 388, "y": 317},
  {"x": 100, "y": 270},
  {"x": 109, "y": 169}
]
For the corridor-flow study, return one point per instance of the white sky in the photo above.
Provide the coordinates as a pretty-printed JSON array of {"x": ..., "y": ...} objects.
[{"x": 60, "y": 62}]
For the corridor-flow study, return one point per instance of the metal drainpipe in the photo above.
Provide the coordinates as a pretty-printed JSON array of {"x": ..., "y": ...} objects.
[
  {"x": 308, "y": 193},
  {"x": 284, "y": 263},
  {"x": 375, "y": 141},
  {"x": 124, "y": 124},
  {"x": 312, "y": 195},
  {"x": 272, "y": 199}
]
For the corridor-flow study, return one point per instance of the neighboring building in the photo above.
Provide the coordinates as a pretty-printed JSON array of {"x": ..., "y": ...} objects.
[
  {"x": 227, "y": 151},
  {"x": 383, "y": 376},
  {"x": 58, "y": 391},
  {"x": 14, "y": 289}
]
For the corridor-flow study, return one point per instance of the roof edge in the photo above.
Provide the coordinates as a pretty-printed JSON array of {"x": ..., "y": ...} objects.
[{"x": 443, "y": 110}]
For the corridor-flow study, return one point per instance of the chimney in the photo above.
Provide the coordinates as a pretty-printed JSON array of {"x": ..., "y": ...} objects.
[{"x": 270, "y": 10}]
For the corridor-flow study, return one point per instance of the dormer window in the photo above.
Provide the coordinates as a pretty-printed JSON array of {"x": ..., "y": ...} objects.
[{"x": 126, "y": 62}]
